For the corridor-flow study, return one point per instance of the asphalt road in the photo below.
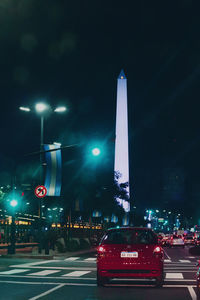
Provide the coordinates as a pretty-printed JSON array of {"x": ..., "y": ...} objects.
[{"x": 75, "y": 278}]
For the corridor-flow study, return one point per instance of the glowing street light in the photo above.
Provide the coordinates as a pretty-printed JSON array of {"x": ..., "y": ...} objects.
[
  {"x": 60, "y": 109},
  {"x": 24, "y": 108},
  {"x": 13, "y": 203},
  {"x": 41, "y": 107}
]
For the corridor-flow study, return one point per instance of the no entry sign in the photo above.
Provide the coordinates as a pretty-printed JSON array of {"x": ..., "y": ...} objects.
[{"x": 40, "y": 191}]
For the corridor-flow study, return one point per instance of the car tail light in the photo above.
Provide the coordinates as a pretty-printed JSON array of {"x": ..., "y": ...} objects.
[
  {"x": 171, "y": 238},
  {"x": 157, "y": 250},
  {"x": 101, "y": 249}
]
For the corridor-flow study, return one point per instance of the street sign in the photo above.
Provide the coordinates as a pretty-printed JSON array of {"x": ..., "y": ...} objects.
[{"x": 40, "y": 191}]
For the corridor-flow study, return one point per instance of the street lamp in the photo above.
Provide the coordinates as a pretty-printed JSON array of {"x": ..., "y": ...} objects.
[{"x": 41, "y": 108}]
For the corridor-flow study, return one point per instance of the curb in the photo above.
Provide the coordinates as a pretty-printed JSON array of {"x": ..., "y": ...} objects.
[
  {"x": 68, "y": 254},
  {"x": 27, "y": 256},
  {"x": 50, "y": 257}
]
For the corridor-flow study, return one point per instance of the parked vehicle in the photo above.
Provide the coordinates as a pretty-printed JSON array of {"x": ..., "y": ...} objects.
[
  {"x": 197, "y": 241},
  {"x": 129, "y": 252}
]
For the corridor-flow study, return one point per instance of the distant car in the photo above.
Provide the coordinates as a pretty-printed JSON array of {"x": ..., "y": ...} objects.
[
  {"x": 129, "y": 252},
  {"x": 176, "y": 241},
  {"x": 165, "y": 240},
  {"x": 197, "y": 241},
  {"x": 189, "y": 240}
]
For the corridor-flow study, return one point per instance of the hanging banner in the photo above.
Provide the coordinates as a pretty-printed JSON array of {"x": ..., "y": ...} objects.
[
  {"x": 114, "y": 219},
  {"x": 125, "y": 221},
  {"x": 53, "y": 170},
  {"x": 106, "y": 219},
  {"x": 96, "y": 213}
]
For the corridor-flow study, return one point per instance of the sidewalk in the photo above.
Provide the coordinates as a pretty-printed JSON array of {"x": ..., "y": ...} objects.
[{"x": 52, "y": 254}]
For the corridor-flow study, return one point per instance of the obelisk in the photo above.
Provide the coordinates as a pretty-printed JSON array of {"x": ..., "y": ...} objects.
[{"x": 121, "y": 140}]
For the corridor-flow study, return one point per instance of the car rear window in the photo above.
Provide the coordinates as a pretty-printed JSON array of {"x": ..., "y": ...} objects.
[{"x": 130, "y": 237}]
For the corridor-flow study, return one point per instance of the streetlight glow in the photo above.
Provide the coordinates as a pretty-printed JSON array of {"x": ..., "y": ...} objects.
[
  {"x": 41, "y": 107},
  {"x": 24, "y": 108},
  {"x": 13, "y": 203},
  {"x": 60, "y": 109},
  {"x": 95, "y": 151}
]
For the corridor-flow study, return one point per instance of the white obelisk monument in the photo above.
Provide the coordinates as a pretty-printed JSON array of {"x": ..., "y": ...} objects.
[{"x": 121, "y": 140}]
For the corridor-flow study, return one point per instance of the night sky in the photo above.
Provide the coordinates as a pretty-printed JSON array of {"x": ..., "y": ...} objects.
[{"x": 71, "y": 53}]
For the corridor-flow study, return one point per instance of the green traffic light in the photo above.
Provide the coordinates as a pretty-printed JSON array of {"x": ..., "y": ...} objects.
[
  {"x": 13, "y": 203},
  {"x": 96, "y": 151}
]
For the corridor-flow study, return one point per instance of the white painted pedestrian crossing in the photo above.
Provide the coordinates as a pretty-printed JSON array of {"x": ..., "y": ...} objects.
[
  {"x": 167, "y": 260},
  {"x": 14, "y": 271},
  {"x": 184, "y": 261},
  {"x": 44, "y": 273},
  {"x": 174, "y": 276},
  {"x": 72, "y": 258},
  {"x": 90, "y": 259},
  {"x": 76, "y": 273}
]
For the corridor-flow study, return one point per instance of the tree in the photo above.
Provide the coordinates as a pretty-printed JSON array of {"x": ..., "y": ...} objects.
[{"x": 108, "y": 196}]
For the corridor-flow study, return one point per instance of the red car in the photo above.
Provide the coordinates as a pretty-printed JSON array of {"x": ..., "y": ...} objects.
[{"x": 129, "y": 252}]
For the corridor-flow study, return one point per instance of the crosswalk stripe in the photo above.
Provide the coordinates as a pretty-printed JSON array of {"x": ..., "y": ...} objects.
[
  {"x": 14, "y": 271},
  {"x": 76, "y": 273},
  {"x": 167, "y": 260},
  {"x": 44, "y": 273},
  {"x": 90, "y": 259},
  {"x": 191, "y": 257},
  {"x": 71, "y": 258},
  {"x": 184, "y": 260},
  {"x": 174, "y": 275}
]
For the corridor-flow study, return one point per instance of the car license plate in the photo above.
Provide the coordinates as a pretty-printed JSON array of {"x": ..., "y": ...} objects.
[{"x": 129, "y": 254}]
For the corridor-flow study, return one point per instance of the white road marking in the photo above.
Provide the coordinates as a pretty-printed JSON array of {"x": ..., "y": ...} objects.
[
  {"x": 26, "y": 265},
  {"x": 174, "y": 275},
  {"x": 91, "y": 259},
  {"x": 77, "y": 273},
  {"x": 191, "y": 257},
  {"x": 167, "y": 255},
  {"x": 51, "y": 277},
  {"x": 14, "y": 271},
  {"x": 47, "y": 292},
  {"x": 71, "y": 258},
  {"x": 192, "y": 293},
  {"x": 60, "y": 268},
  {"x": 44, "y": 273},
  {"x": 86, "y": 284},
  {"x": 167, "y": 260},
  {"x": 184, "y": 261}
]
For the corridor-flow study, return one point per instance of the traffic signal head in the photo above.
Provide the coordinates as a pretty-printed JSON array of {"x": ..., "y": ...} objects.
[
  {"x": 13, "y": 203},
  {"x": 96, "y": 151}
]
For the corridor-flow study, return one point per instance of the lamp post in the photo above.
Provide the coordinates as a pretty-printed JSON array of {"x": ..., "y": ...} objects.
[
  {"x": 11, "y": 247},
  {"x": 42, "y": 108}
]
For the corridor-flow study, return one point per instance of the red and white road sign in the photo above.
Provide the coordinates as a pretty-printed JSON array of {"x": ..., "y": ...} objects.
[{"x": 40, "y": 191}]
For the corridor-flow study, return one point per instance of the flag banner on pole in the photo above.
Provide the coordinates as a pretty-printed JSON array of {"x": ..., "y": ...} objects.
[
  {"x": 96, "y": 213},
  {"x": 114, "y": 219},
  {"x": 53, "y": 170},
  {"x": 125, "y": 220},
  {"x": 106, "y": 219}
]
